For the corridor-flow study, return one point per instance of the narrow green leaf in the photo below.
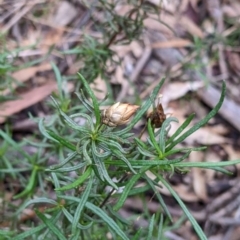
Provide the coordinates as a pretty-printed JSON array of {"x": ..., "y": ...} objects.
[
  {"x": 102, "y": 170},
  {"x": 154, "y": 162},
  {"x": 94, "y": 100},
  {"x": 202, "y": 122},
  {"x": 112, "y": 144},
  {"x": 68, "y": 169},
  {"x": 178, "y": 150},
  {"x": 160, "y": 199},
  {"x": 85, "y": 152},
  {"x": 97, "y": 150},
  {"x": 160, "y": 228},
  {"x": 87, "y": 117},
  {"x": 30, "y": 232},
  {"x": 150, "y": 228},
  {"x": 76, "y": 235},
  {"x": 81, "y": 205},
  {"x": 43, "y": 130},
  {"x": 70, "y": 219},
  {"x": 162, "y": 134},
  {"x": 138, "y": 190},
  {"x": 61, "y": 140},
  {"x": 50, "y": 225},
  {"x": 181, "y": 128},
  {"x": 30, "y": 186},
  {"x": 146, "y": 153},
  {"x": 120, "y": 155},
  {"x": 34, "y": 230},
  {"x": 128, "y": 187},
  {"x": 13, "y": 143},
  {"x": 58, "y": 78},
  {"x": 222, "y": 170},
  {"x": 68, "y": 120},
  {"x": 152, "y": 138},
  {"x": 207, "y": 164},
  {"x": 84, "y": 101},
  {"x": 195, "y": 225},
  {"x": 118, "y": 216},
  {"x": 138, "y": 234},
  {"x": 64, "y": 162},
  {"x": 113, "y": 225},
  {"x": 78, "y": 182},
  {"x": 55, "y": 180},
  {"x": 97, "y": 167}
]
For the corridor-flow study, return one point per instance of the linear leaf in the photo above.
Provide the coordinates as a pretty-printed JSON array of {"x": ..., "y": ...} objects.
[
  {"x": 201, "y": 122},
  {"x": 50, "y": 225},
  {"x": 197, "y": 228},
  {"x": 94, "y": 99},
  {"x": 127, "y": 188},
  {"x": 77, "y": 182},
  {"x": 81, "y": 205},
  {"x": 150, "y": 228},
  {"x": 98, "y": 211}
]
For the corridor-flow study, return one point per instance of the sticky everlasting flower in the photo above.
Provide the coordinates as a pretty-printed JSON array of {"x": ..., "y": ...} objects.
[{"x": 118, "y": 114}]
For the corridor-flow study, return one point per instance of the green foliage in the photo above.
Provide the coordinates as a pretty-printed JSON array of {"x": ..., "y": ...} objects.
[
  {"x": 115, "y": 29},
  {"x": 91, "y": 168},
  {"x": 8, "y": 65},
  {"x": 101, "y": 157}
]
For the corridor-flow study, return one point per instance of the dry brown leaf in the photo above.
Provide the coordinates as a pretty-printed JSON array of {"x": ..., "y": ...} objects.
[
  {"x": 25, "y": 74},
  {"x": 176, "y": 90},
  {"x": 136, "y": 49},
  {"x": 233, "y": 154},
  {"x": 173, "y": 43},
  {"x": 99, "y": 88},
  {"x": 52, "y": 37},
  {"x": 229, "y": 11},
  {"x": 151, "y": 23},
  {"x": 198, "y": 175},
  {"x": 28, "y": 99},
  {"x": 211, "y": 156},
  {"x": 121, "y": 50},
  {"x": 182, "y": 190},
  {"x": 233, "y": 61},
  {"x": 220, "y": 129},
  {"x": 118, "y": 75},
  {"x": 191, "y": 27},
  {"x": 65, "y": 13},
  {"x": 206, "y": 136},
  {"x": 229, "y": 110}
]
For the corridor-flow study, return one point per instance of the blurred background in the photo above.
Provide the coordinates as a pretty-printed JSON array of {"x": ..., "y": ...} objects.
[{"x": 124, "y": 48}]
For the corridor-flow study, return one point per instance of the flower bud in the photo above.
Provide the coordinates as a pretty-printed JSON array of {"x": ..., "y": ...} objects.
[{"x": 118, "y": 114}]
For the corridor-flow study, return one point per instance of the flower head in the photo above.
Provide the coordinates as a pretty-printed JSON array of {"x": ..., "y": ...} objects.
[{"x": 118, "y": 114}]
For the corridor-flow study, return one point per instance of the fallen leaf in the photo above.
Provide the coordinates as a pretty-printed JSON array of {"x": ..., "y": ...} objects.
[
  {"x": 25, "y": 74},
  {"x": 65, "y": 14},
  {"x": 176, "y": 90},
  {"x": 198, "y": 175},
  {"x": 28, "y": 99},
  {"x": 205, "y": 136},
  {"x": 191, "y": 27},
  {"x": 182, "y": 190},
  {"x": 172, "y": 43},
  {"x": 211, "y": 156},
  {"x": 99, "y": 88}
]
